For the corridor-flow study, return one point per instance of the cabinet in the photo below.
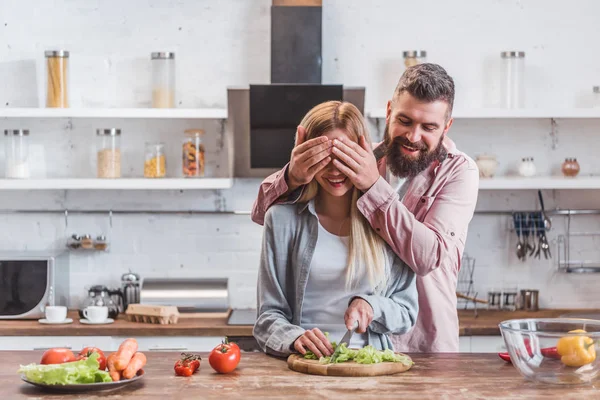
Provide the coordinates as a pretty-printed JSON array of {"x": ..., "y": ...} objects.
[{"x": 481, "y": 344}]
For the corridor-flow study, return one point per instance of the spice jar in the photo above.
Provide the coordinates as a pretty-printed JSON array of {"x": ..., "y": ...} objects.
[
  {"x": 513, "y": 80},
  {"x": 570, "y": 167},
  {"x": 109, "y": 153},
  {"x": 163, "y": 79},
  {"x": 100, "y": 243},
  {"x": 155, "y": 164},
  {"x": 86, "y": 242},
  {"x": 17, "y": 153},
  {"x": 56, "y": 78},
  {"x": 414, "y": 57},
  {"x": 193, "y": 153},
  {"x": 74, "y": 242},
  {"x": 527, "y": 167}
]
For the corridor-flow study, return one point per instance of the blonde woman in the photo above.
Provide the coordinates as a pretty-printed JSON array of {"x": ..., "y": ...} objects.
[{"x": 323, "y": 267}]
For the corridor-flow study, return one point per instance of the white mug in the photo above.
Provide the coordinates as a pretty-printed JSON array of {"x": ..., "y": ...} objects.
[
  {"x": 56, "y": 313},
  {"x": 96, "y": 313}
]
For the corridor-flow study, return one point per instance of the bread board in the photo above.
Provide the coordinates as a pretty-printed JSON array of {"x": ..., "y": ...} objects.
[{"x": 298, "y": 363}]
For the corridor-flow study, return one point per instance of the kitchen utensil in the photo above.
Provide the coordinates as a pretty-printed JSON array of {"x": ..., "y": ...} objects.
[
  {"x": 130, "y": 287},
  {"x": 296, "y": 362},
  {"x": 152, "y": 314},
  {"x": 100, "y": 296},
  {"x": 56, "y": 313},
  {"x": 65, "y": 321},
  {"x": 525, "y": 339},
  {"x": 547, "y": 222},
  {"x": 87, "y": 387},
  {"x": 487, "y": 165},
  {"x": 518, "y": 222},
  {"x": 345, "y": 340},
  {"x": 529, "y": 300},
  {"x": 96, "y": 313}
]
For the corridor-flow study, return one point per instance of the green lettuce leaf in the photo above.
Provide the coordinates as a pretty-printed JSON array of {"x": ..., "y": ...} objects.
[
  {"x": 366, "y": 355},
  {"x": 76, "y": 372}
]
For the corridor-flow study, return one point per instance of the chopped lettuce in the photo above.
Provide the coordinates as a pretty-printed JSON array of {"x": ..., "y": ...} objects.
[
  {"x": 366, "y": 355},
  {"x": 76, "y": 372}
]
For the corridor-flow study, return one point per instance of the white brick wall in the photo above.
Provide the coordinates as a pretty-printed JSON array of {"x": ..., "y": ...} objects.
[{"x": 226, "y": 43}]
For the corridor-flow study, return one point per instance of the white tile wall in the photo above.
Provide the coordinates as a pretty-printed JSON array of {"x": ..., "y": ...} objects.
[{"x": 221, "y": 44}]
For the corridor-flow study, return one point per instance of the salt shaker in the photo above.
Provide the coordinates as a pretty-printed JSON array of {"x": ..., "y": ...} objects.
[{"x": 527, "y": 167}]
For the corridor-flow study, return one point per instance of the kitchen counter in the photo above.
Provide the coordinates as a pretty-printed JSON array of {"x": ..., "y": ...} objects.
[
  {"x": 486, "y": 324},
  {"x": 443, "y": 376}
]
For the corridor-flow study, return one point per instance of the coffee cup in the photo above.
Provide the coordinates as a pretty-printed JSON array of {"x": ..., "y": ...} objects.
[
  {"x": 56, "y": 313},
  {"x": 95, "y": 313}
]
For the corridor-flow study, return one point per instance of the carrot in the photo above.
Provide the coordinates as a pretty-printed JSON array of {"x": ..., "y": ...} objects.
[
  {"x": 110, "y": 362},
  {"x": 137, "y": 362},
  {"x": 126, "y": 350}
]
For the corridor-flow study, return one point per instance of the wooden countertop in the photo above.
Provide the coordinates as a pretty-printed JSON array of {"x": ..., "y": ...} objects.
[
  {"x": 442, "y": 376},
  {"x": 486, "y": 324}
]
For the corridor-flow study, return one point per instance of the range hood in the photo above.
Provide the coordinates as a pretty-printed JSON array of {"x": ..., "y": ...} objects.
[{"x": 264, "y": 117}]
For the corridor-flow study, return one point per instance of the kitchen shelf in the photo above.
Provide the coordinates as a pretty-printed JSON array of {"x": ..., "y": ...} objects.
[
  {"x": 549, "y": 182},
  {"x": 164, "y": 113},
  {"x": 117, "y": 184},
  {"x": 492, "y": 113}
]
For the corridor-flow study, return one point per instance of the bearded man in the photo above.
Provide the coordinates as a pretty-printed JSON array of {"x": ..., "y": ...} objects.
[{"x": 424, "y": 216}]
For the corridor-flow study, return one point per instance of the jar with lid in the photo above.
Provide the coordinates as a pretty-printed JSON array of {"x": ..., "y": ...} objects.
[
  {"x": 86, "y": 242},
  {"x": 163, "y": 79},
  {"x": 414, "y": 57},
  {"x": 527, "y": 167},
  {"x": 513, "y": 79},
  {"x": 155, "y": 164},
  {"x": 108, "y": 153},
  {"x": 193, "y": 153},
  {"x": 596, "y": 100},
  {"x": 57, "y": 70},
  {"x": 17, "y": 153},
  {"x": 74, "y": 242},
  {"x": 570, "y": 167},
  {"x": 100, "y": 243}
]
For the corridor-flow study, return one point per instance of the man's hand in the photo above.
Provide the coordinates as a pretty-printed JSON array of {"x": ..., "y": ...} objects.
[
  {"x": 360, "y": 311},
  {"x": 356, "y": 161},
  {"x": 315, "y": 341},
  {"x": 307, "y": 159}
]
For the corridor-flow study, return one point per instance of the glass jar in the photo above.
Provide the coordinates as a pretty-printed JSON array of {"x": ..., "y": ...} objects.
[
  {"x": 17, "y": 153},
  {"x": 155, "y": 164},
  {"x": 74, "y": 242},
  {"x": 109, "y": 153},
  {"x": 100, "y": 243},
  {"x": 513, "y": 79},
  {"x": 86, "y": 242},
  {"x": 570, "y": 167},
  {"x": 596, "y": 90},
  {"x": 414, "y": 57},
  {"x": 163, "y": 80},
  {"x": 57, "y": 69},
  {"x": 193, "y": 154}
]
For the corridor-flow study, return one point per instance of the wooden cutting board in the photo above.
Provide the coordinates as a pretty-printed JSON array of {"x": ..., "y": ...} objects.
[{"x": 296, "y": 362}]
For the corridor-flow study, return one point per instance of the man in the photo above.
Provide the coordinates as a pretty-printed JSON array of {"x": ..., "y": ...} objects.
[{"x": 426, "y": 220}]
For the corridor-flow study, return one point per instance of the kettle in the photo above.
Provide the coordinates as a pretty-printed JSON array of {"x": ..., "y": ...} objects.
[{"x": 101, "y": 296}]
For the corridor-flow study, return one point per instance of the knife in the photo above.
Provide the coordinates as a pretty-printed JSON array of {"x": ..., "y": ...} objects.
[{"x": 345, "y": 339}]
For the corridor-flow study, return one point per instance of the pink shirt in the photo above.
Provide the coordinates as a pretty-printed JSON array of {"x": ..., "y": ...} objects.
[{"x": 427, "y": 230}]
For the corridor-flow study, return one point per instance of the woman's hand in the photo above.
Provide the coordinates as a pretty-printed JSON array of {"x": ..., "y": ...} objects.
[
  {"x": 315, "y": 341},
  {"x": 361, "y": 311}
]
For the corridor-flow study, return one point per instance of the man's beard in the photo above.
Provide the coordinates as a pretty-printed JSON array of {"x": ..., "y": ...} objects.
[{"x": 404, "y": 166}]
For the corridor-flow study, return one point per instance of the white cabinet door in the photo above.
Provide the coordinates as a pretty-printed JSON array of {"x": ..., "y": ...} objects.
[
  {"x": 487, "y": 344},
  {"x": 74, "y": 343},
  {"x": 176, "y": 343},
  {"x": 464, "y": 344}
]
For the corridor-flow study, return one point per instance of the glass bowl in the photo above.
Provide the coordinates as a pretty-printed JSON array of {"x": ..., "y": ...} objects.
[{"x": 543, "y": 350}]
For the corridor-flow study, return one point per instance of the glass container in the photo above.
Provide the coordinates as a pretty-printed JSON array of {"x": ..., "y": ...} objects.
[
  {"x": 163, "y": 79},
  {"x": 17, "y": 153},
  {"x": 193, "y": 154},
  {"x": 155, "y": 164},
  {"x": 414, "y": 57},
  {"x": 108, "y": 153},
  {"x": 57, "y": 73},
  {"x": 513, "y": 79}
]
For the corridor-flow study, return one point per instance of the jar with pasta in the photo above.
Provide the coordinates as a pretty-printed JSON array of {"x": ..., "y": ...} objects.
[
  {"x": 155, "y": 164},
  {"x": 414, "y": 57},
  {"x": 109, "y": 153},
  {"x": 57, "y": 69},
  {"x": 193, "y": 154}
]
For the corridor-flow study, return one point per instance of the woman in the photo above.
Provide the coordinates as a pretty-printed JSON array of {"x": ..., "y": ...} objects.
[{"x": 322, "y": 265}]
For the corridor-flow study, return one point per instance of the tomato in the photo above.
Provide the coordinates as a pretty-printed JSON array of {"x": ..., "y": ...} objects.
[
  {"x": 225, "y": 357},
  {"x": 187, "y": 365},
  {"x": 233, "y": 346},
  {"x": 57, "y": 356},
  {"x": 86, "y": 352}
]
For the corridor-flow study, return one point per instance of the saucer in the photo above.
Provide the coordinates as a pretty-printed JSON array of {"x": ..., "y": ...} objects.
[
  {"x": 65, "y": 321},
  {"x": 106, "y": 321}
]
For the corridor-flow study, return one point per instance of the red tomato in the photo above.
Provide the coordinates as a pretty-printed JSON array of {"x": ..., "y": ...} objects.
[
  {"x": 86, "y": 352},
  {"x": 57, "y": 356},
  {"x": 187, "y": 365},
  {"x": 225, "y": 358}
]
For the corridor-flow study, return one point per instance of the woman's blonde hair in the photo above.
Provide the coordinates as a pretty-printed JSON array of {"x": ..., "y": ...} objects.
[{"x": 366, "y": 248}]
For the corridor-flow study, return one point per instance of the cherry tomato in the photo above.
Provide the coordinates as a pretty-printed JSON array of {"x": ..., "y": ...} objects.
[
  {"x": 57, "y": 356},
  {"x": 86, "y": 352},
  {"x": 225, "y": 358},
  {"x": 187, "y": 365}
]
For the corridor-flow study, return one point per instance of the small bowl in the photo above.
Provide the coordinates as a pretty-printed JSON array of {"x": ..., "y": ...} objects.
[{"x": 532, "y": 345}]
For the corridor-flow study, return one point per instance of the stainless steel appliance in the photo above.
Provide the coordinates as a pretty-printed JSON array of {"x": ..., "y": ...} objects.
[
  {"x": 130, "y": 287},
  {"x": 31, "y": 280},
  {"x": 189, "y": 295}
]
